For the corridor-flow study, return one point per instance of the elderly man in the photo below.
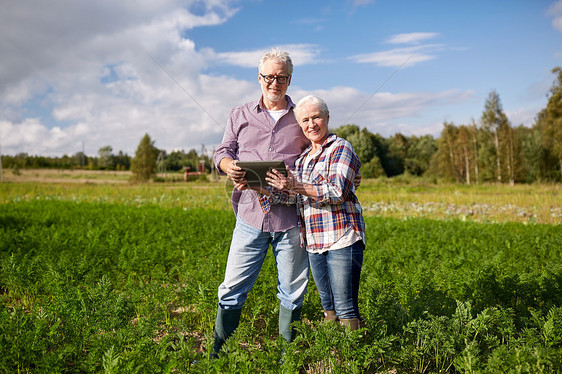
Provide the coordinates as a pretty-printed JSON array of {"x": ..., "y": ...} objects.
[{"x": 265, "y": 129}]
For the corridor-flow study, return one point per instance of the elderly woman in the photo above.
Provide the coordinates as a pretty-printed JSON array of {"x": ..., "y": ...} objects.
[{"x": 330, "y": 216}]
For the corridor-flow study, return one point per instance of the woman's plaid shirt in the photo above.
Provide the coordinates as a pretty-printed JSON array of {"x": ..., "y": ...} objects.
[{"x": 325, "y": 219}]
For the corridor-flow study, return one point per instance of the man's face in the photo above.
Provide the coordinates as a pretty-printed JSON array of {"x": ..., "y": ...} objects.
[{"x": 274, "y": 91}]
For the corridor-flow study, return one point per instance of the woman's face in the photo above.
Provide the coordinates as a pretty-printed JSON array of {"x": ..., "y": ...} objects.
[{"x": 314, "y": 123}]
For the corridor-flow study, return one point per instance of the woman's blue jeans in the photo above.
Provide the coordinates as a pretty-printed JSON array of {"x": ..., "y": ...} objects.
[{"x": 336, "y": 275}]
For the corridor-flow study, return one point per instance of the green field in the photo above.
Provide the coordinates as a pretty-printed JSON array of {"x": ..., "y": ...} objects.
[{"x": 120, "y": 278}]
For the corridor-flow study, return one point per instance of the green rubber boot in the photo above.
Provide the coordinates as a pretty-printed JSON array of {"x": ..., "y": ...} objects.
[
  {"x": 227, "y": 321},
  {"x": 286, "y": 318}
]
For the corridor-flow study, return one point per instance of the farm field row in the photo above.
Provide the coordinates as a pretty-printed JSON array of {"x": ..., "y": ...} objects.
[
  {"x": 396, "y": 198},
  {"x": 123, "y": 279}
]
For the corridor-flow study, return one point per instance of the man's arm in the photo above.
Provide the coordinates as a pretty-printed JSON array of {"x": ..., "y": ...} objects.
[{"x": 227, "y": 151}]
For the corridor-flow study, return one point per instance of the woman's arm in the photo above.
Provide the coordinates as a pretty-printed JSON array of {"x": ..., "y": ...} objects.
[
  {"x": 343, "y": 168},
  {"x": 342, "y": 171}
]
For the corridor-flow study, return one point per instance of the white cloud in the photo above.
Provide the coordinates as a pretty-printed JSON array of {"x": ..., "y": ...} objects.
[
  {"x": 357, "y": 3},
  {"x": 316, "y": 23},
  {"x": 40, "y": 37},
  {"x": 106, "y": 73},
  {"x": 399, "y": 56},
  {"x": 30, "y": 136},
  {"x": 388, "y": 129},
  {"x": 96, "y": 67},
  {"x": 301, "y": 54},
  {"x": 555, "y": 10},
  {"x": 411, "y": 38},
  {"x": 386, "y": 113},
  {"x": 523, "y": 116},
  {"x": 406, "y": 56},
  {"x": 109, "y": 73}
]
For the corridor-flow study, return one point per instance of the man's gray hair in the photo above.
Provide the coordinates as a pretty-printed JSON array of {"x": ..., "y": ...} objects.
[
  {"x": 314, "y": 100},
  {"x": 277, "y": 55}
]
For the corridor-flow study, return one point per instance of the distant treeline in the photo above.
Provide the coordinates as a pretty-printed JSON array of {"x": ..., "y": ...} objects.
[
  {"x": 106, "y": 160},
  {"x": 488, "y": 150},
  {"x": 491, "y": 151}
]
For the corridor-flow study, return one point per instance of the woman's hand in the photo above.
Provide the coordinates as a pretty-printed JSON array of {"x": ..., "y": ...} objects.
[
  {"x": 281, "y": 182},
  {"x": 357, "y": 180}
]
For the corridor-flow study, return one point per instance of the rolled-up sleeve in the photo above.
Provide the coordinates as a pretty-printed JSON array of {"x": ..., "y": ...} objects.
[
  {"x": 276, "y": 197},
  {"x": 229, "y": 144}
]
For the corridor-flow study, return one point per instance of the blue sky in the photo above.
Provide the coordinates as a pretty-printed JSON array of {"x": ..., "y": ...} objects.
[{"x": 79, "y": 74}]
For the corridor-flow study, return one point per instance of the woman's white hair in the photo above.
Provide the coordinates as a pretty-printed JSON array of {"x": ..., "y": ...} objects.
[{"x": 314, "y": 100}]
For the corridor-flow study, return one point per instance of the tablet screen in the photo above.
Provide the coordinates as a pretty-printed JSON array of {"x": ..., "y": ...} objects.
[{"x": 256, "y": 171}]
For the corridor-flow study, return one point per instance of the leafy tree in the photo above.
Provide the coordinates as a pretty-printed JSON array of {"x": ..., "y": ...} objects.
[
  {"x": 395, "y": 156},
  {"x": 373, "y": 168},
  {"x": 79, "y": 159},
  {"x": 447, "y": 156},
  {"x": 456, "y": 153},
  {"x": 497, "y": 142},
  {"x": 419, "y": 154},
  {"x": 549, "y": 122},
  {"x": 144, "y": 163},
  {"x": 464, "y": 149},
  {"x": 177, "y": 160},
  {"x": 368, "y": 149},
  {"x": 474, "y": 145},
  {"x": 460, "y": 151},
  {"x": 108, "y": 161},
  {"x": 174, "y": 161},
  {"x": 122, "y": 161},
  {"x": 363, "y": 141},
  {"x": 106, "y": 158},
  {"x": 512, "y": 151},
  {"x": 389, "y": 157},
  {"x": 533, "y": 154},
  {"x": 492, "y": 119}
]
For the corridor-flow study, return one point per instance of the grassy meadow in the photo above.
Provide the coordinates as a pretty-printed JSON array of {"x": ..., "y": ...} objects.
[
  {"x": 399, "y": 197},
  {"x": 99, "y": 275}
]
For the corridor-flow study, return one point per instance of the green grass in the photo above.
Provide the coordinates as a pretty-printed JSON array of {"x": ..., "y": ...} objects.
[
  {"x": 540, "y": 203},
  {"x": 396, "y": 198},
  {"x": 187, "y": 196},
  {"x": 104, "y": 279}
]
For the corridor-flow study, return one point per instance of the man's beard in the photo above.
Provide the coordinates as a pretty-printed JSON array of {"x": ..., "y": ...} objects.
[{"x": 274, "y": 98}]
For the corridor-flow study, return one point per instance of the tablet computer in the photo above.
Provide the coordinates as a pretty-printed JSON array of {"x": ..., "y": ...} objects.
[{"x": 256, "y": 171}]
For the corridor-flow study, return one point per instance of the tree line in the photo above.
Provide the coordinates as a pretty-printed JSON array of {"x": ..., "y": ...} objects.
[
  {"x": 488, "y": 150},
  {"x": 495, "y": 150},
  {"x": 148, "y": 155}
]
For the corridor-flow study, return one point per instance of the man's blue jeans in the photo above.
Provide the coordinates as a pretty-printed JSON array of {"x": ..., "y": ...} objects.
[
  {"x": 248, "y": 250},
  {"x": 336, "y": 275}
]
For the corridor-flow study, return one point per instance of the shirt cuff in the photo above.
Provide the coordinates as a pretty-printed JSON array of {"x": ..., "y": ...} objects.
[{"x": 264, "y": 203}]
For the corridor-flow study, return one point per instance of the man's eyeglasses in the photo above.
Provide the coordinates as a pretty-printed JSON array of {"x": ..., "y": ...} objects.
[{"x": 281, "y": 79}]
